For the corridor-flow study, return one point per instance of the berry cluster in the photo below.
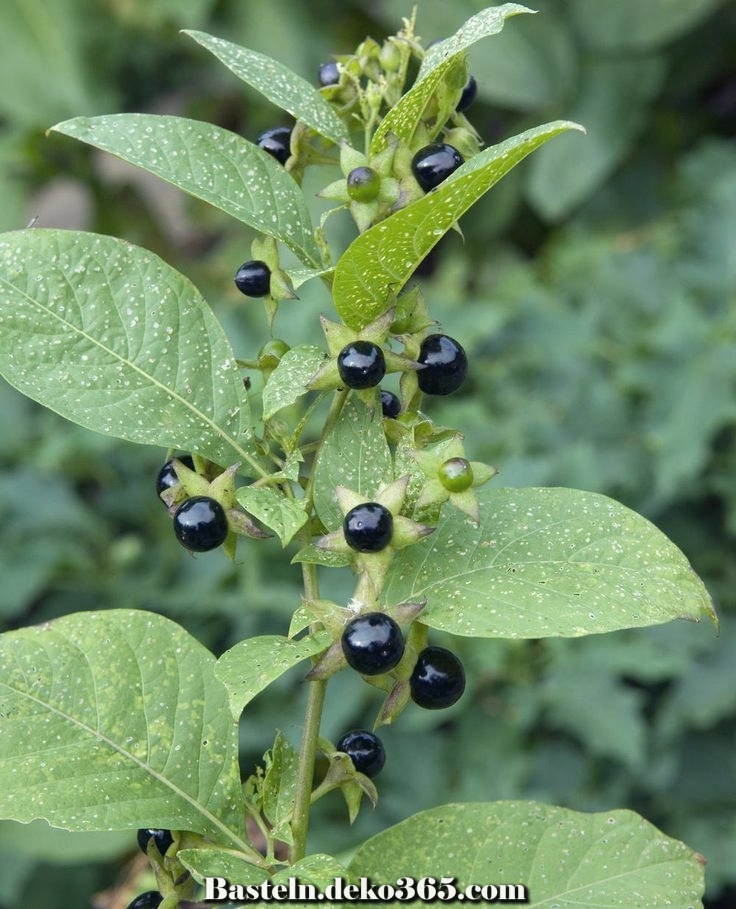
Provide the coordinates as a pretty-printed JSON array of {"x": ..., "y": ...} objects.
[{"x": 200, "y": 523}]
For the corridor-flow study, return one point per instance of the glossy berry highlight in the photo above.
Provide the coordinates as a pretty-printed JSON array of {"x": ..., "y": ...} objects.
[
  {"x": 364, "y": 184},
  {"x": 437, "y": 680},
  {"x": 390, "y": 404},
  {"x": 361, "y": 364},
  {"x": 456, "y": 474},
  {"x": 200, "y": 524},
  {"x": 445, "y": 365},
  {"x": 434, "y": 163},
  {"x": 365, "y": 750},
  {"x": 167, "y": 475},
  {"x": 277, "y": 142},
  {"x": 162, "y": 838},
  {"x": 253, "y": 278},
  {"x": 372, "y": 643},
  {"x": 368, "y": 527},
  {"x": 151, "y": 899},
  {"x": 329, "y": 74}
]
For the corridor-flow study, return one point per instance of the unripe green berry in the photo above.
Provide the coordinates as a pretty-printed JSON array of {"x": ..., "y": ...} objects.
[
  {"x": 269, "y": 356},
  {"x": 363, "y": 184},
  {"x": 456, "y": 475}
]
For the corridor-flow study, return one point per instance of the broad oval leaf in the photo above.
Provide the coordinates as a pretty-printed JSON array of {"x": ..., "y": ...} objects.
[
  {"x": 547, "y": 563},
  {"x": 278, "y": 83},
  {"x": 288, "y": 382},
  {"x": 284, "y": 516},
  {"x": 354, "y": 454},
  {"x": 209, "y": 163},
  {"x": 251, "y": 665},
  {"x": 402, "y": 119},
  {"x": 564, "y": 859},
  {"x": 111, "y": 337},
  {"x": 115, "y": 720},
  {"x": 380, "y": 261}
]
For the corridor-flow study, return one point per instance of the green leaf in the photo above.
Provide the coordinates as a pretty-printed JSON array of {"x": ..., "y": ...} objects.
[
  {"x": 212, "y": 164},
  {"x": 284, "y": 516},
  {"x": 114, "y": 720},
  {"x": 316, "y": 869},
  {"x": 564, "y": 859},
  {"x": 288, "y": 382},
  {"x": 355, "y": 454},
  {"x": 547, "y": 563},
  {"x": 310, "y": 555},
  {"x": 278, "y": 83},
  {"x": 402, "y": 119},
  {"x": 210, "y": 863},
  {"x": 279, "y": 787},
  {"x": 251, "y": 665},
  {"x": 380, "y": 261},
  {"x": 111, "y": 337}
]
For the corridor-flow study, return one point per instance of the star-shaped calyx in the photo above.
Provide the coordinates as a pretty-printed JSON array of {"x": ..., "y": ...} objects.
[
  {"x": 451, "y": 477},
  {"x": 359, "y": 359},
  {"x": 373, "y": 529}
]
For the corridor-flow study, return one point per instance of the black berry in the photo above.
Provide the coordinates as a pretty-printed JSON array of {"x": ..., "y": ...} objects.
[
  {"x": 468, "y": 95},
  {"x": 329, "y": 74},
  {"x": 361, "y": 364},
  {"x": 162, "y": 838},
  {"x": 372, "y": 643},
  {"x": 167, "y": 475},
  {"x": 434, "y": 163},
  {"x": 368, "y": 527},
  {"x": 390, "y": 404},
  {"x": 445, "y": 365},
  {"x": 200, "y": 524},
  {"x": 365, "y": 750},
  {"x": 151, "y": 899},
  {"x": 253, "y": 278},
  {"x": 438, "y": 679},
  {"x": 277, "y": 142}
]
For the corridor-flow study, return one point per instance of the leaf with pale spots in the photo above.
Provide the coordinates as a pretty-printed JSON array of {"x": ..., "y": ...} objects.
[
  {"x": 565, "y": 859},
  {"x": 114, "y": 720},
  {"x": 354, "y": 454},
  {"x": 284, "y": 516},
  {"x": 379, "y": 262},
  {"x": 251, "y": 665},
  {"x": 278, "y": 83},
  {"x": 547, "y": 563},
  {"x": 288, "y": 382},
  {"x": 111, "y": 337},
  {"x": 209, "y": 163},
  {"x": 401, "y": 121}
]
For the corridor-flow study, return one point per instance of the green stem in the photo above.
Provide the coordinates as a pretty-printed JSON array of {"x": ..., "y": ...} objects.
[{"x": 317, "y": 689}]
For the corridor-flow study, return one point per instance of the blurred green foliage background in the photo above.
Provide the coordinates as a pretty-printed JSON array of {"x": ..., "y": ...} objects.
[{"x": 595, "y": 291}]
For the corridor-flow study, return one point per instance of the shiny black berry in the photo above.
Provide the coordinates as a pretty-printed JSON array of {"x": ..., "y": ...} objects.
[
  {"x": 151, "y": 899},
  {"x": 361, "y": 364},
  {"x": 277, "y": 142},
  {"x": 372, "y": 643},
  {"x": 365, "y": 750},
  {"x": 167, "y": 475},
  {"x": 445, "y": 365},
  {"x": 368, "y": 527},
  {"x": 390, "y": 404},
  {"x": 329, "y": 74},
  {"x": 438, "y": 679},
  {"x": 434, "y": 163},
  {"x": 468, "y": 95},
  {"x": 162, "y": 838},
  {"x": 253, "y": 278},
  {"x": 200, "y": 524}
]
